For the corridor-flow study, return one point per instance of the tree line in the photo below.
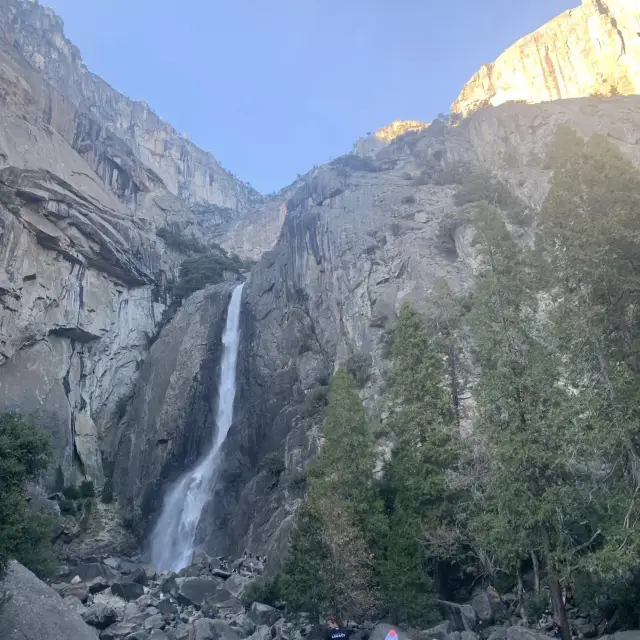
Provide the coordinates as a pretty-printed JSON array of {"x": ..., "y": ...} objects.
[{"x": 542, "y": 495}]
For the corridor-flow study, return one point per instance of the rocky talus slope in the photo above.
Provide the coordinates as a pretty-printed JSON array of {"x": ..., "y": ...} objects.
[
  {"x": 116, "y": 597},
  {"x": 593, "y": 50}
]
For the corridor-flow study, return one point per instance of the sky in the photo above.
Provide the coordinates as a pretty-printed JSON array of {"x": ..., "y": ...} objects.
[{"x": 273, "y": 87}]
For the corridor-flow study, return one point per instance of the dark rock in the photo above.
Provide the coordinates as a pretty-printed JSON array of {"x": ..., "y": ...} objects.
[
  {"x": 198, "y": 590},
  {"x": 439, "y": 632},
  {"x": 170, "y": 585},
  {"x": 158, "y": 635},
  {"x": 34, "y": 611},
  {"x": 113, "y": 563},
  {"x": 78, "y": 590},
  {"x": 139, "y": 576},
  {"x": 498, "y": 633},
  {"x": 221, "y": 573},
  {"x": 263, "y": 614},
  {"x": 243, "y": 624},
  {"x": 138, "y": 635},
  {"x": 99, "y": 615},
  {"x": 127, "y": 590},
  {"x": 167, "y": 607},
  {"x": 97, "y": 585}
]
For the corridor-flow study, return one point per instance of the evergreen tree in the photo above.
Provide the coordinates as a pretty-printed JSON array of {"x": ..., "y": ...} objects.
[
  {"x": 330, "y": 567},
  {"x": 421, "y": 499},
  {"x": 24, "y": 454}
]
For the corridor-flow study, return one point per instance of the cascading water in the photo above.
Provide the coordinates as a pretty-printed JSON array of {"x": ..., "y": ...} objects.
[{"x": 173, "y": 538}]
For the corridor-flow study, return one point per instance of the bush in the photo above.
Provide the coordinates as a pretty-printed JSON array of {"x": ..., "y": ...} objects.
[
  {"x": 198, "y": 272},
  {"x": 131, "y": 518},
  {"x": 25, "y": 451},
  {"x": 107, "y": 492},
  {"x": 87, "y": 490},
  {"x": 359, "y": 368},
  {"x": 267, "y": 592},
  {"x": 352, "y": 162},
  {"x": 179, "y": 242},
  {"x": 71, "y": 493},
  {"x": 58, "y": 481},
  {"x": 410, "y": 199},
  {"x": 67, "y": 507},
  {"x": 315, "y": 400},
  {"x": 482, "y": 186},
  {"x": 274, "y": 464},
  {"x": 298, "y": 481}
]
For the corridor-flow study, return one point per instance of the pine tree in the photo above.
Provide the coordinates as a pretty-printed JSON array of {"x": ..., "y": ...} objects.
[
  {"x": 421, "y": 500},
  {"x": 330, "y": 567}
]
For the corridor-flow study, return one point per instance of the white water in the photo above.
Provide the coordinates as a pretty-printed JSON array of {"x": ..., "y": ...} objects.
[{"x": 173, "y": 538}]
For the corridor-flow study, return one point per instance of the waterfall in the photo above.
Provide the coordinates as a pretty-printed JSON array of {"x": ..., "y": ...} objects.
[{"x": 173, "y": 538}]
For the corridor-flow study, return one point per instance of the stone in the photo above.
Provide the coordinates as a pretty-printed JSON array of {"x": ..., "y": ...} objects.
[
  {"x": 521, "y": 633},
  {"x": 73, "y": 603},
  {"x": 127, "y": 590},
  {"x": 236, "y": 584},
  {"x": 198, "y": 590},
  {"x": 439, "y": 632},
  {"x": 263, "y": 633},
  {"x": 167, "y": 607},
  {"x": 243, "y": 624},
  {"x": 154, "y": 622},
  {"x": 220, "y": 573},
  {"x": 207, "y": 629},
  {"x": 609, "y": 53},
  {"x": 263, "y": 614},
  {"x": 78, "y": 590},
  {"x": 130, "y": 611},
  {"x": 96, "y": 585},
  {"x": 100, "y": 615},
  {"x": 487, "y": 605},
  {"x": 157, "y": 634},
  {"x": 138, "y": 635},
  {"x": 499, "y": 633},
  {"x": 76, "y": 580},
  {"x": 462, "y": 616},
  {"x": 139, "y": 576},
  {"x": 118, "y": 631}
]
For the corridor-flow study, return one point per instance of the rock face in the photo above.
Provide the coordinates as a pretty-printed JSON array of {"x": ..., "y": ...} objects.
[
  {"x": 593, "y": 50},
  {"x": 48, "y": 618},
  {"x": 87, "y": 177},
  {"x": 355, "y": 244}
]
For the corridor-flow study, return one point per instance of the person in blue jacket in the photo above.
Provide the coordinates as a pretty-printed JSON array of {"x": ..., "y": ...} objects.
[{"x": 335, "y": 630}]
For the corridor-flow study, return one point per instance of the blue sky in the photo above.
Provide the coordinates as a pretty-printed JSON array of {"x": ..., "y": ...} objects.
[{"x": 272, "y": 87}]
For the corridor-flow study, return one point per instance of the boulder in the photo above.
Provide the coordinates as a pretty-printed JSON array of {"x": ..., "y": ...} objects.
[
  {"x": 158, "y": 635},
  {"x": 243, "y": 624},
  {"x": 106, "y": 597},
  {"x": 138, "y": 635},
  {"x": 462, "y": 616},
  {"x": 119, "y": 631},
  {"x": 263, "y": 633},
  {"x": 207, "y": 629},
  {"x": 263, "y": 614},
  {"x": 73, "y": 603},
  {"x": 96, "y": 585},
  {"x": 100, "y": 615},
  {"x": 487, "y": 605},
  {"x": 439, "y": 632},
  {"x": 236, "y": 584},
  {"x": 198, "y": 590},
  {"x": 498, "y": 633},
  {"x": 139, "y": 575},
  {"x": 221, "y": 573},
  {"x": 167, "y": 607},
  {"x": 155, "y": 621},
  {"x": 183, "y": 631},
  {"x": 49, "y": 618},
  {"x": 127, "y": 590},
  {"x": 521, "y": 633}
]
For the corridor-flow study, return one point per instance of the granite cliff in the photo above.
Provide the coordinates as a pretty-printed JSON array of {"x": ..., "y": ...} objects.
[
  {"x": 87, "y": 179},
  {"x": 593, "y": 50}
]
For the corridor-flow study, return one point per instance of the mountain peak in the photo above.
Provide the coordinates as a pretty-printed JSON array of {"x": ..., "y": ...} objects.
[{"x": 592, "y": 50}]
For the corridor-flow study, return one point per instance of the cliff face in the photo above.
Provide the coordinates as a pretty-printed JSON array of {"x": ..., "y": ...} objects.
[
  {"x": 86, "y": 179},
  {"x": 593, "y": 50}
]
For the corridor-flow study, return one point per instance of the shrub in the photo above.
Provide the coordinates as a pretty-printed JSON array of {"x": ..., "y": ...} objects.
[
  {"x": 274, "y": 464},
  {"x": 71, "y": 493},
  {"x": 179, "y": 242},
  {"x": 107, "y": 492},
  {"x": 482, "y": 186},
  {"x": 298, "y": 480},
  {"x": 87, "y": 490},
  {"x": 359, "y": 368},
  {"x": 315, "y": 400},
  {"x": 131, "y": 518},
  {"x": 266, "y": 592},
  {"x": 25, "y": 451},
  {"x": 198, "y": 272},
  {"x": 58, "y": 481},
  {"x": 410, "y": 199},
  {"x": 67, "y": 507},
  {"x": 352, "y": 162}
]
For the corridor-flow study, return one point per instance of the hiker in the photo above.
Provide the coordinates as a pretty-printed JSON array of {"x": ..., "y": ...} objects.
[{"x": 335, "y": 630}]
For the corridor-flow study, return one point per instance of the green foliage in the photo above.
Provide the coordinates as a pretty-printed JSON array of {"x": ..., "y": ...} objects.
[
  {"x": 131, "y": 518},
  {"x": 199, "y": 271},
  {"x": 330, "y": 567},
  {"x": 58, "y": 482},
  {"x": 482, "y": 186},
  {"x": 315, "y": 401},
  {"x": 177, "y": 241},
  {"x": 71, "y": 493},
  {"x": 298, "y": 481},
  {"x": 273, "y": 464},
  {"x": 87, "y": 489},
  {"x": 359, "y": 368},
  {"x": 351, "y": 162},
  {"x": 267, "y": 592},
  {"x": 107, "y": 492},
  {"x": 68, "y": 507},
  {"x": 25, "y": 451}
]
